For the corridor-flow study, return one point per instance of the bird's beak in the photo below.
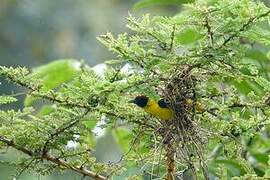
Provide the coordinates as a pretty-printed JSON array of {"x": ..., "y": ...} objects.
[{"x": 131, "y": 101}]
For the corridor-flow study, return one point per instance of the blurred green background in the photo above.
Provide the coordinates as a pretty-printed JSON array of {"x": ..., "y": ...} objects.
[{"x": 35, "y": 32}]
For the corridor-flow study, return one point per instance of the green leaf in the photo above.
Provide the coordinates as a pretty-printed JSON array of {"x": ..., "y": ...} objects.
[
  {"x": 260, "y": 157},
  {"x": 123, "y": 137},
  {"x": 234, "y": 168},
  {"x": 268, "y": 55},
  {"x": 7, "y": 99},
  {"x": 89, "y": 139},
  {"x": 260, "y": 34},
  {"x": 267, "y": 173},
  {"x": 247, "y": 86},
  {"x": 56, "y": 72},
  {"x": 187, "y": 37},
  {"x": 256, "y": 54},
  {"x": 90, "y": 123},
  {"x": 45, "y": 110},
  {"x": 149, "y": 3},
  {"x": 53, "y": 74},
  {"x": 264, "y": 83}
]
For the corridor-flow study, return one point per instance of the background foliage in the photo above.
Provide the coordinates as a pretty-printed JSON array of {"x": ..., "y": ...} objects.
[{"x": 225, "y": 45}]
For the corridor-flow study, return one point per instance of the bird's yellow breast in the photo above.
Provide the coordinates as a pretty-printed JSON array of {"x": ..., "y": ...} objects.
[{"x": 163, "y": 113}]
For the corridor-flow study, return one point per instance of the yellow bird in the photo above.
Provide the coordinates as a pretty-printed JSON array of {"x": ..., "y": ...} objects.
[
  {"x": 161, "y": 109},
  {"x": 158, "y": 109}
]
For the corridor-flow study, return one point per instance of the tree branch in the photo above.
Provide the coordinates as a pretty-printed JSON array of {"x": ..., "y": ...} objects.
[
  {"x": 52, "y": 159},
  {"x": 244, "y": 27}
]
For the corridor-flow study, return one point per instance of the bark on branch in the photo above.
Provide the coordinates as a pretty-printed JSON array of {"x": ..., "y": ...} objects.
[{"x": 170, "y": 161}]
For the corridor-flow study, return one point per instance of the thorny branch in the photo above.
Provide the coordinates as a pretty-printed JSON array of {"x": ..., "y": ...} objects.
[
  {"x": 152, "y": 34},
  {"x": 61, "y": 129},
  {"x": 210, "y": 33},
  {"x": 244, "y": 27},
  {"x": 52, "y": 159}
]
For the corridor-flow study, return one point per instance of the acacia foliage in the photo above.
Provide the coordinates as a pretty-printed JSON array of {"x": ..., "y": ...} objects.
[{"x": 223, "y": 44}]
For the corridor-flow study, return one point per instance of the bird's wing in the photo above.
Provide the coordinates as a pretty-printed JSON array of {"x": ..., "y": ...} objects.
[{"x": 162, "y": 103}]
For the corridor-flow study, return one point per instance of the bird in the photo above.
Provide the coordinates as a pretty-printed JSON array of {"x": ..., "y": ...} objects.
[
  {"x": 162, "y": 110},
  {"x": 158, "y": 109}
]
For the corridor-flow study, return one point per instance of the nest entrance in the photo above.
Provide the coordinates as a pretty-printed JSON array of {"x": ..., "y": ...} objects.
[{"x": 182, "y": 137}]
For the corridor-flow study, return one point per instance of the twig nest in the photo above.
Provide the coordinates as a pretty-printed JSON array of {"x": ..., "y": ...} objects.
[{"x": 181, "y": 134}]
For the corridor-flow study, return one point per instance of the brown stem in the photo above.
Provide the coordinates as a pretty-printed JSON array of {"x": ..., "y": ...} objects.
[
  {"x": 172, "y": 37},
  {"x": 210, "y": 33},
  {"x": 170, "y": 161}
]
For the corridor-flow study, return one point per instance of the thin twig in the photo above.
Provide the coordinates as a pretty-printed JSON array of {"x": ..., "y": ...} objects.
[
  {"x": 25, "y": 168},
  {"x": 172, "y": 37},
  {"x": 61, "y": 129},
  {"x": 210, "y": 33}
]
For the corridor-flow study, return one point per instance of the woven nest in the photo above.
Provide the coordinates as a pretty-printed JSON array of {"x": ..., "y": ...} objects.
[{"x": 181, "y": 136}]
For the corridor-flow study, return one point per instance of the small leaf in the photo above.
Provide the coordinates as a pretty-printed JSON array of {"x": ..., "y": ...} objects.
[
  {"x": 234, "y": 168},
  {"x": 256, "y": 54},
  {"x": 7, "y": 99},
  {"x": 123, "y": 137},
  {"x": 187, "y": 37},
  {"x": 45, "y": 110},
  {"x": 90, "y": 124},
  {"x": 260, "y": 157}
]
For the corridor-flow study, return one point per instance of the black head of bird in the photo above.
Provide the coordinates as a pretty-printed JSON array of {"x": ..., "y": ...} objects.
[{"x": 140, "y": 101}]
